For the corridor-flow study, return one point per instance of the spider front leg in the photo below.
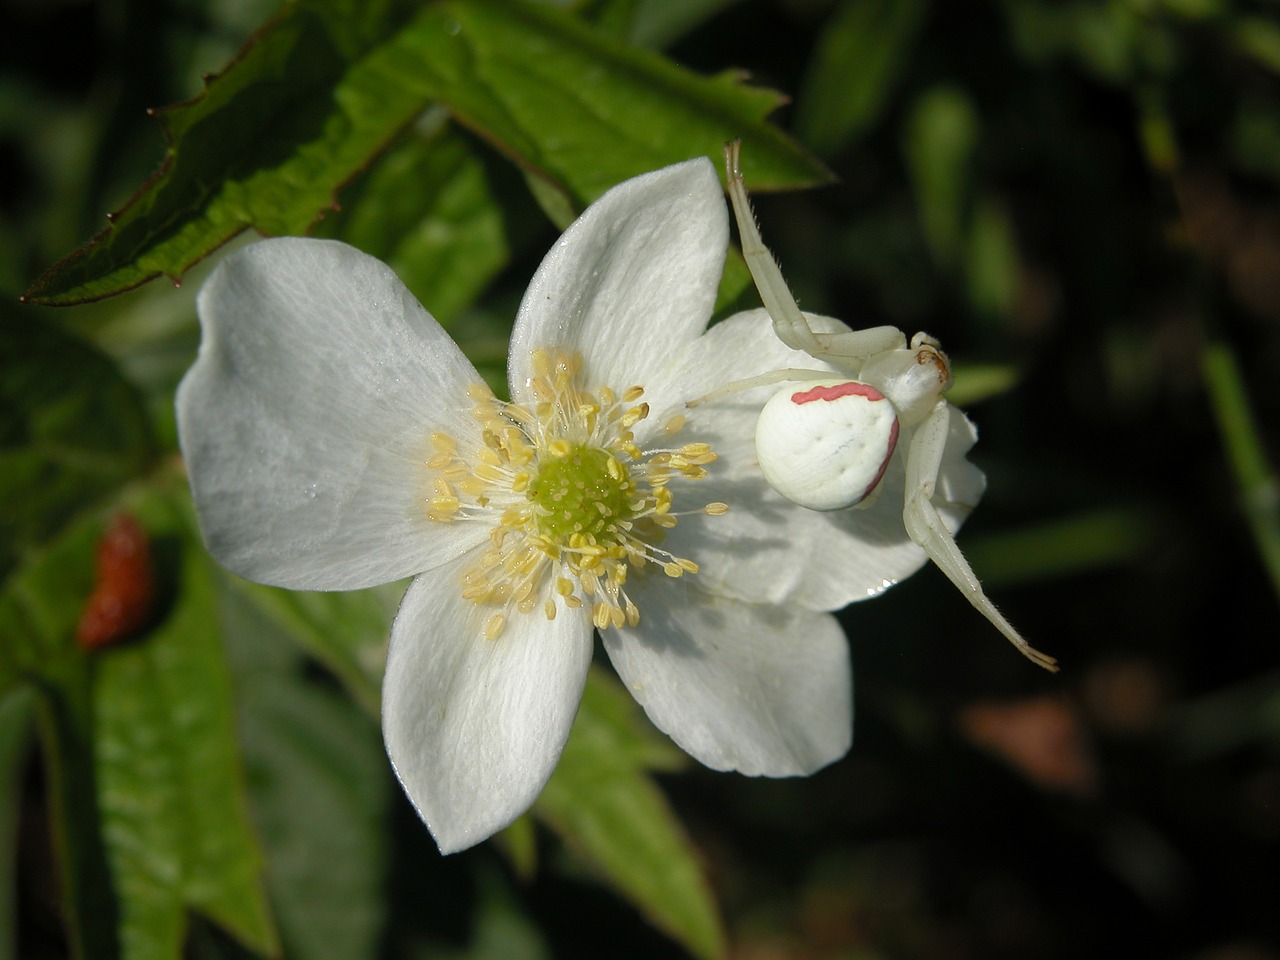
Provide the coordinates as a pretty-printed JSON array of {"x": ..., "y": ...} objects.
[
  {"x": 925, "y": 527},
  {"x": 841, "y": 349},
  {"x": 763, "y": 380}
]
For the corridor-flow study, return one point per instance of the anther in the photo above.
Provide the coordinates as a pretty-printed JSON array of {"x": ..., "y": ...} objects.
[
  {"x": 635, "y": 415},
  {"x": 447, "y": 505},
  {"x": 600, "y": 615}
]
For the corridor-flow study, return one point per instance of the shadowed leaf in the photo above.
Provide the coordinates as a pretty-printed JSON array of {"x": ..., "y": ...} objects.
[{"x": 328, "y": 84}]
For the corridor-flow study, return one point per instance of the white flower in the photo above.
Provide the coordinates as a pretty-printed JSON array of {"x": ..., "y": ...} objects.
[{"x": 336, "y": 438}]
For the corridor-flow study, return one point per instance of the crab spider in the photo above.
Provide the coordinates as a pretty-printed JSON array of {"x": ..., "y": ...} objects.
[{"x": 826, "y": 446}]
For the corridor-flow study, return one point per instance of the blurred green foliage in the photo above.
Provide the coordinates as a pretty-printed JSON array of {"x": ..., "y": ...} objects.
[{"x": 1078, "y": 198}]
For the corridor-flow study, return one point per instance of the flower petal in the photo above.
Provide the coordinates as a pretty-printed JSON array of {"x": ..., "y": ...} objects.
[
  {"x": 474, "y": 726},
  {"x": 960, "y": 484},
  {"x": 630, "y": 281},
  {"x": 763, "y": 690},
  {"x": 767, "y": 549},
  {"x": 308, "y": 414}
]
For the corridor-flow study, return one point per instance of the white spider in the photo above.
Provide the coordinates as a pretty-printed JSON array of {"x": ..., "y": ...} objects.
[{"x": 826, "y": 447}]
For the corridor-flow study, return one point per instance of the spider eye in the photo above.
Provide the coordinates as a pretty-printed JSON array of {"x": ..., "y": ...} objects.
[{"x": 825, "y": 444}]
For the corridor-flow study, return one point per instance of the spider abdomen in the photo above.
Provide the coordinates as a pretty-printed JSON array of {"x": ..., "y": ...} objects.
[{"x": 825, "y": 444}]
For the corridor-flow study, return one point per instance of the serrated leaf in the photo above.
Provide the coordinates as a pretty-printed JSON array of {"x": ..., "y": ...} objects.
[
  {"x": 72, "y": 430},
  {"x": 266, "y": 145},
  {"x": 305, "y": 108},
  {"x": 604, "y": 805},
  {"x": 583, "y": 110},
  {"x": 170, "y": 783}
]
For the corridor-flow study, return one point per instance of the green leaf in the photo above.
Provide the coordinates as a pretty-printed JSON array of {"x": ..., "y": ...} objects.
[
  {"x": 500, "y": 928},
  {"x": 603, "y": 804},
  {"x": 319, "y": 783},
  {"x": 659, "y": 23},
  {"x": 1063, "y": 546},
  {"x": 993, "y": 269},
  {"x": 346, "y": 631},
  {"x": 734, "y": 283},
  {"x": 1255, "y": 138},
  {"x": 1242, "y": 435},
  {"x": 859, "y": 58},
  {"x": 599, "y": 799},
  {"x": 519, "y": 844},
  {"x": 1259, "y": 38},
  {"x": 266, "y": 145},
  {"x": 16, "y": 715},
  {"x": 426, "y": 209},
  {"x": 329, "y": 83},
  {"x": 170, "y": 783},
  {"x": 975, "y": 382},
  {"x": 1115, "y": 42},
  {"x": 72, "y": 430},
  {"x": 39, "y": 607},
  {"x": 581, "y": 109},
  {"x": 941, "y": 135}
]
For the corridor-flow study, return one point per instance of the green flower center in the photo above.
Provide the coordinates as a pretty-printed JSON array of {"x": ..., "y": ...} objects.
[{"x": 584, "y": 491}]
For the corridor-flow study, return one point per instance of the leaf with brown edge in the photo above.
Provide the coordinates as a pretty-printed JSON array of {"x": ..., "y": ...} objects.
[{"x": 328, "y": 84}]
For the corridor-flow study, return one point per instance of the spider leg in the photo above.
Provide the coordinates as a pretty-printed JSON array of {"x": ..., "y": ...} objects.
[
  {"x": 847, "y": 347},
  {"x": 925, "y": 527},
  {"x": 763, "y": 380},
  {"x": 788, "y": 322}
]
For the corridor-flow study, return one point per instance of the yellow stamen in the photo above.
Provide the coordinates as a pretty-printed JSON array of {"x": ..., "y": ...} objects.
[{"x": 577, "y": 507}]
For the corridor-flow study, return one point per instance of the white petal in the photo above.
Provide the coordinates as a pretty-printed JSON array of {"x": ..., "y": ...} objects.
[
  {"x": 632, "y": 279},
  {"x": 759, "y": 689},
  {"x": 307, "y": 416},
  {"x": 473, "y": 726},
  {"x": 960, "y": 483},
  {"x": 767, "y": 549}
]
